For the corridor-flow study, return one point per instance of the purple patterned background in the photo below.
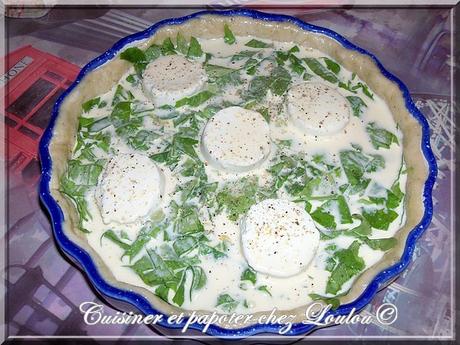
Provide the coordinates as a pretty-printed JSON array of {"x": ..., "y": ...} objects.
[{"x": 45, "y": 290}]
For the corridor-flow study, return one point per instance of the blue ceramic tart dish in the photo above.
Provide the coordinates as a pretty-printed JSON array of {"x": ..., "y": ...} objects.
[{"x": 56, "y": 145}]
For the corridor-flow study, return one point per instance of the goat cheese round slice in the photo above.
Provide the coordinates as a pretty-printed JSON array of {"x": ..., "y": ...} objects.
[
  {"x": 317, "y": 109},
  {"x": 236, "y": 140},
  {"x": 172, "y": 77},
  {"x": 130, "y": 187},
  {"x": 278, "y": 238}
]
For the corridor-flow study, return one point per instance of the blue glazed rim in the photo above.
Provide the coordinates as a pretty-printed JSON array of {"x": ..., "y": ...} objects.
[{"x": 85, "y": 261}]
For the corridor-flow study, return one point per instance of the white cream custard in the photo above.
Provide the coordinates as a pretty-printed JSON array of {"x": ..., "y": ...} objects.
[{"x": 237, "y": 177}]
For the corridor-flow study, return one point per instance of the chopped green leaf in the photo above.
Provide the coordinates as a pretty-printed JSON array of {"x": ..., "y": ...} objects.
[
  {"x": 281, "y": 57},
  {"x": 344, "y": 211},
  {"x": 280, "y": 79},
  {"x": 173, "y": 152},
  {"x": 147, "y": 232},
  {"x": 185, "y": 145},
  {"x": 88, "y": 105},
  {"x": 346, "y": 86},
  {"x": 142, "y": 139},
  {"x": 317, "y": 68},
  {"x": 84, "y": 174},
  {"x": 121, "y": 113},
  {"x": 324, "y": 218},
  {"x": 238, "y": 197},
  {"x": 380, "y": 137},
  {"x": 285, "y": 143},
  {"x": 161, "y": 268},
  {"x": 195, "y": 100},
  {"x": 111, "y": 235},
  {"x": 227, "y": 302},
  {"x": 278, "y": 82},
  {"x": 334, "y": 302},
  {"x": 294, "y": 49},
  {"x": 167, "y": 48},
  {"x": 217, "y": 251},
  {"x": 131, "y": 79},
  {"x": 144, "y": 269},
  {"x": 307, "y": 76},
  {"x": 365, "y": 89},
  {"x": 153, "y": 270},
  {"x": 198, "y": 279},
  {"x": 296, "y": 64},
  {"x": 198, "y": 187},
  {"x": 258, "y": 88},
  {"x": 85, "y": 122},
  {"x": 187, "y": 220},
  {"x": 355, "y": 164},
  {"x": 180, "y": 292},
  {"x": 383, "y": 244},
  {"x": 363, "y": 229},
  {"x": 207, "y": 57},
  {"x": 264, "y": 288},
  {"x": 331, "y": 247},
  {"x": 380, "y": 218},
  {"x": 229, "y": 38},
  {"x": 357, "y": 105},
  {"x": 347, "y": 264},
  {"x": 136, "y": 56},
  {"x": 133, "y": 55},
  {"x": 162, "y": 291},
  {"x": 194, "y": 49},
  {"x": 243, "y": 55},
  {"x": 173, "y": 261},
  {"x": 249, "y": 274},
  {"x": 184, "y": 244},
  {"x": 257, "y": 44},
  {"x": 153, "y": 52},
  {"x": 75, "y": 183},
  {"x": 265, "y": 114},
  {"x": 332, "y": 65},
  {"x": 181, "y": 44},
  {"x": 394, "y": 196},
  {"x": 121, "y": 95},
  {"x": 325, "y": 214},
  {"x": 222, "y": 75},
  {"x": 251, "y": 65}
]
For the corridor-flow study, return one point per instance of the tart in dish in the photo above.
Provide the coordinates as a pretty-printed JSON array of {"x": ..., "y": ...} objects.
[{"x": 234, "y": 165}]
